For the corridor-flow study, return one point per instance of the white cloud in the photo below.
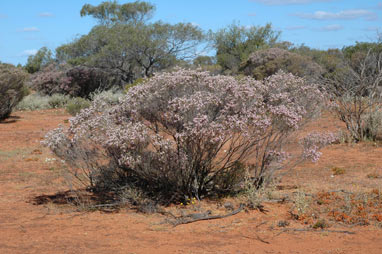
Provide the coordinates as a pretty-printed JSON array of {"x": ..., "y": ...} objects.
[
  {"x": 30, "y": 29},
  {"x": 252, "y": 14},
  {"x": 282, "y": 2},
  {"x": 29, "y": 52},
  {"x": 291, "y": 28},
  {"x": 346, "y": 14},
  {"x": 46, "y": 14},
  {"x": 3, "y": 16},
  {"x": 334, "y": 27}
]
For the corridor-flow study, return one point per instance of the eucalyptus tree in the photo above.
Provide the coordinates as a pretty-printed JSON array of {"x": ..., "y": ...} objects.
[
  {"x": 110, "y": 12},
  {"x": 38, "y": 61},
  {"x": 125, "y": 42}
]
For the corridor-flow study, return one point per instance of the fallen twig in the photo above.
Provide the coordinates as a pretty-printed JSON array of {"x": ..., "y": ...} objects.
[
  {"x": 314, "y": 230},
  {"x": 190, "y": 218},
  {"x": 105, "y": 205},
  {"x": 257, "y": 238},
  {"x": 260, "y": 224},
  {"x": 343, "y": 191}
]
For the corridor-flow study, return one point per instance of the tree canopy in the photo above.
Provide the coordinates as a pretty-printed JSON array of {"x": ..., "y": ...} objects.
[
  {"x": 110, "y": 12},
  {"x": 126, "y": 43},
  {"x": 135, "y": 50},
  {"x": 36, "y": 62},
  {"x": 235, "y": 43}
]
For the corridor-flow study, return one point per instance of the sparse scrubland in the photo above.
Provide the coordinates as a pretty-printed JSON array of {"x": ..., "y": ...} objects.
[{"x": 160, "y": 128}]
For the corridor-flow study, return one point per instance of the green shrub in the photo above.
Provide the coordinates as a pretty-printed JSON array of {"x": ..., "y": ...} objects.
[
  {"x": 111, "y": 96},
  {"x": 135, "y": 83},
  {"x": 373, "y": 124},
  {"x": 320, "y": 224},
  {"x": 266, "y": 62},
  {"x": 36, "y": 101},
  {"x": 33, "y": 102},
  {"x": 75, "y": 105},
  {"x": 338, "y": 171},
  {"x": 12, "y": 88},
  {"x": 58, "y": 100}
]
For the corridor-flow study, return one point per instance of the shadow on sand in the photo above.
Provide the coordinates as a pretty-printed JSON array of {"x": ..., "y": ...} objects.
[{"x": 11, "y": 119}]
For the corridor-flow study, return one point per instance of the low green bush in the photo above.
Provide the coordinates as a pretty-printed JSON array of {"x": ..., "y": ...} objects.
[
  {"x": 33, "y": 101},
  {"x": 75, "y": 105},
  {"x": 373, "y": 124},
  {"x": 36, "y": 101},
  {"x": 111, "y": 96},
  {"x": 58, "y": 100}
]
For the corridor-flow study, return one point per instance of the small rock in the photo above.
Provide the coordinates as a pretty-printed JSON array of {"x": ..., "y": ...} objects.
[{"x": 228, "y": 206}]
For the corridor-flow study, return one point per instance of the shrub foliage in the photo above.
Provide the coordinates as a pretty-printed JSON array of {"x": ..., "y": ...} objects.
[
  {"x": 357, "y": 93},
  {"x": 266, "y": 62},
  {"x": 187, "y": 134},
  {"x": 12, "y": 88},
  {"x": 79, "y": 81}
]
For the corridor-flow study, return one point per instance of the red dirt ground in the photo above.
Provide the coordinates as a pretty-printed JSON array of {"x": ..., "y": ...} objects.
[{"x": 27, "y": 171}]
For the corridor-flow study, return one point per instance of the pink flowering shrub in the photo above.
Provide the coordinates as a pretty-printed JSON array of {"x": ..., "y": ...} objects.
[
  {"x": 313, "y": 142},
  {"x": 78, "y": 81},
  {"x": 181, "y": 134},
  {"x": 51, "y": 80}
]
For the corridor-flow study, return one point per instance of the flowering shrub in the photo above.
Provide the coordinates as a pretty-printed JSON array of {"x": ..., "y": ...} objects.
[
  {"x": 180, "y": 135},
  {"x": 51, "y": 80},
  {"x": 79, "y": 81},
  {"x": 12, "y": 88},
  {"x": 313, "y": 142},
  {"x": 86, "y": 80}
]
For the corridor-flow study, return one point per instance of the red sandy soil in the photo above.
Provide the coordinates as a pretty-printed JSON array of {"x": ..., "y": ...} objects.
[{"x": 26, "y": 173}]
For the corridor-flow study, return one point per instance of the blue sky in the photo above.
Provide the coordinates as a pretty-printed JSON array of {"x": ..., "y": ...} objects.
[{"x": 26, "y": 26}]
